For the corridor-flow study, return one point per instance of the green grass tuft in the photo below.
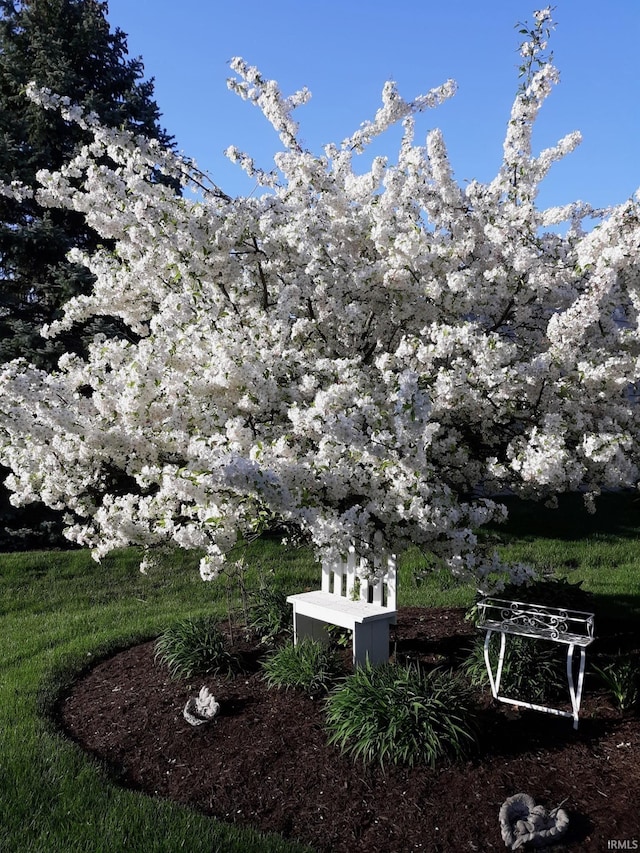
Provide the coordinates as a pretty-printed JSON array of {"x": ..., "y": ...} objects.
[
  {"x": 401, "y": 715},
  {"x": 196, "y": 647},
  {"x": 309, "y": 666},
  {"x": 532, "y": 671}
]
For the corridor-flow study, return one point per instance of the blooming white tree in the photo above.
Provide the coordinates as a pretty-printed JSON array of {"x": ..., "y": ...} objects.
[{"x": 365, "y": 357}]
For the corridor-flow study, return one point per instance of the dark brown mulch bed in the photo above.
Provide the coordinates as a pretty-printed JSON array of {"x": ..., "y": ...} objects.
[{"x": 265, "y": 761}]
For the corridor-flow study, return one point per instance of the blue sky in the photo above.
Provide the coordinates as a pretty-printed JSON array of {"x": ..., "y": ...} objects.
[{"x": 344, "y": 50}]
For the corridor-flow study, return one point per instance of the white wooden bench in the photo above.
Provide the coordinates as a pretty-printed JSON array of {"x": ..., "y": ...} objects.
[
  {"x": 349, "y": 600},
  {"x": 573, "y": 628}
]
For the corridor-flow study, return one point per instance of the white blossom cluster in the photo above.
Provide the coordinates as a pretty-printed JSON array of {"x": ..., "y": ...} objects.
[{"x": 365, "y": 357}]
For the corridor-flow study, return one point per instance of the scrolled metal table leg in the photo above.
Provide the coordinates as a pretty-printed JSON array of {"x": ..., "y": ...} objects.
[
  {"x": 494, "y": 682},
  {"x": 575, "y": 690}
]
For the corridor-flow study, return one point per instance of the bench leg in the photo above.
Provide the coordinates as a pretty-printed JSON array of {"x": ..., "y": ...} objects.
[
  {"x": 371, "y": 642},
  {"x": 305, "y": 626}
]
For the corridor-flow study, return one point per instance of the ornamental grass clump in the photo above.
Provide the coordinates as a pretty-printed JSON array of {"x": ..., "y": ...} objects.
[
  {"x": 310, "y": 666},
  {"x": 532, "y": 670},
  {"x": 270, "y": 616},
  {"x": 196, "y": 646},
  {"x": 402, "y": 715}
]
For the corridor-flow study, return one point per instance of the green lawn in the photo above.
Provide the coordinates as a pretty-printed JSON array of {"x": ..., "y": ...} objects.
[
  {"x": 60, "y": 611},
  {"x": 601, "y": 550}
]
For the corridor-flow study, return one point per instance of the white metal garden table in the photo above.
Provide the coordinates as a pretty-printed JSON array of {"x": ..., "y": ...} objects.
[{"x": 574, "y": 628}]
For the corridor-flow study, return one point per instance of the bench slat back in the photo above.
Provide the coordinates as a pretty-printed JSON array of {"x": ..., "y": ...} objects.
[{"x": 342, "y": 577}]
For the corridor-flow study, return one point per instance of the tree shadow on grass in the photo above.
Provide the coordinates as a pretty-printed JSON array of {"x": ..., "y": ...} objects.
[{"x": 617, "y": 515}]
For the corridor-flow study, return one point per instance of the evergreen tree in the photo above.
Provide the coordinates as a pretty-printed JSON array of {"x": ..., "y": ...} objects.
[{"x": 67, "y": 46}]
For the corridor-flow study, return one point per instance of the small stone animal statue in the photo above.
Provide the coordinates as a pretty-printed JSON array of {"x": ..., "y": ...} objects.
[{"x": 201, "y": 709}]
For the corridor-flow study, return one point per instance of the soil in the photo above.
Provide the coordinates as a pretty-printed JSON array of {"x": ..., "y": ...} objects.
[{"x": 264, "y": 762}]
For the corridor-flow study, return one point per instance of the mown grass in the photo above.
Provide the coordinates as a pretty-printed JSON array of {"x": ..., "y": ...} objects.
[{"x": 60, "y": 612}]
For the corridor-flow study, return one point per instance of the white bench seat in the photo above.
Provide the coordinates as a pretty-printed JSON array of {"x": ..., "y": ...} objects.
[{"x": 368, "y": 616}]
